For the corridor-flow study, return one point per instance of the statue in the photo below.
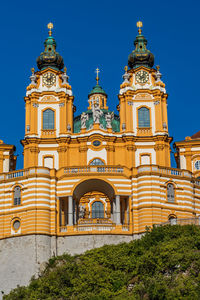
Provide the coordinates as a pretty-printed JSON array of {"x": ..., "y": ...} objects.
[
  {"x": 97, "y": 112},
  {"x": 84, "y": 118},
  {"x": 81, "y": 212},
  {"x": 109, "y": 117}
]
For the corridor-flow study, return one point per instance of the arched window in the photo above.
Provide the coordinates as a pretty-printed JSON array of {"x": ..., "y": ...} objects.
[
  {"x": 48, "y": 119},
  {"x": 97, "y": 162},
  {"x": 170, "y": 192},
  {"x": 197, "y": 165},
  {"x": 97, "y": 210},
  {"x": 143, "y": 117},
  {"x": 172, "y": 220},
  {"x": 17, "y": 195}
]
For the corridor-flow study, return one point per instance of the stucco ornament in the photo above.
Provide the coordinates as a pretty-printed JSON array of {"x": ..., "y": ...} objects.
[
  {"x": 81, "y": 211},
  {"x": 97, "y": 113},
  {"x": 84, "y": 118},
  {"x": 109, "y": 117}
]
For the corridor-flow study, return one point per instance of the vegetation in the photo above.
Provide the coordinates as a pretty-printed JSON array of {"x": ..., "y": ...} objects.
[{"x": 164, "y": 264}]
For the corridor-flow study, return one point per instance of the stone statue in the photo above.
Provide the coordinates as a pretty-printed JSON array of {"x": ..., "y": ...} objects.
[
  {"x": 97, "y": 113},
  {"x": 84, "y": 118},
  {"x": 81, "y": 212},
  {"x": 109, "y": 117}
]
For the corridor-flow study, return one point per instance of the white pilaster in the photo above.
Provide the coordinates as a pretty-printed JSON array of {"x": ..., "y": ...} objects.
[{"x": 70, "y": 210}]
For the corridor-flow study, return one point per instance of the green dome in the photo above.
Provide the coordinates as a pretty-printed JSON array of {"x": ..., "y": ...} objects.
[
  {"x": 140, "y": 56},
  {"x": 97, "y": 90},
  {"x": 50, "y": 58}
]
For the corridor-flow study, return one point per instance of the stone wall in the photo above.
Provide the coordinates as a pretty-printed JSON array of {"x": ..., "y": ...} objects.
[{"x": 24, "y": 256}]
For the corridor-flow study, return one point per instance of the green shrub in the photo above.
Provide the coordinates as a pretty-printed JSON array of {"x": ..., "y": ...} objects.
[{"x": 163, "y": 264}]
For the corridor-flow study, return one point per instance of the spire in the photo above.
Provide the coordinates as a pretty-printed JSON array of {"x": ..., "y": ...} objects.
[
  {"x": 50, "y": 58},
  {"x": 140, "y": 56},
  {"x": 97, "y": 89},
  {"x": 97, "y": 78}
]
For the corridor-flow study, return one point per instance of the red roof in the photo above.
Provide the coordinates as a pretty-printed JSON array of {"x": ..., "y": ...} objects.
[{"x": 196, "y": 136}]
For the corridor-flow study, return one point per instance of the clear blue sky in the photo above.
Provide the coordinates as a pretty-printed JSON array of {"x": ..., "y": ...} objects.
[{"x": 100, "y": 33}]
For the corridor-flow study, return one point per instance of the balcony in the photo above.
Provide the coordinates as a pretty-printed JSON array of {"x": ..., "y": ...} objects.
[
  {"x": 96, "y": 225},
  {"x": 165, "y": 171},
  {"x": 94, "y": 169},
  {"x": 48, "y": 133},
  {"x": 144, "y": 131},
  {"x": 24, "y": 173}
]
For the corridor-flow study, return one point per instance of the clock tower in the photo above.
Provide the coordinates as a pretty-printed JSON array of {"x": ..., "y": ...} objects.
[
  {"x": 143, "y": 106},
  {"x": 49, "y": 109}
]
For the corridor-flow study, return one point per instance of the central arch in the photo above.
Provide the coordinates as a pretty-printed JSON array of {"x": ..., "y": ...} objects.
[
  {"x": 93, "y": 201},
  {"x": 90, "y": 185}
]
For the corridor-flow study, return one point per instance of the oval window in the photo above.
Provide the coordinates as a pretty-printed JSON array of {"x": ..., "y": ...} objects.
[
  {"x": 16, "y": 224},
  {"x": 96, "y": 143}
]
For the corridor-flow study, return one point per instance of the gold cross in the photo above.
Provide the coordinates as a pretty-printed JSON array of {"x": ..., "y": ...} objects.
[
  {"x": 97, "y": 78},
  {"x": 139, "y": 25},
  {"x": 50, "y": 26}
]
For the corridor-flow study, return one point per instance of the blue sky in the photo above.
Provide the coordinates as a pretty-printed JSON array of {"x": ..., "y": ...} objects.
[{"x": 100, "y": 33}]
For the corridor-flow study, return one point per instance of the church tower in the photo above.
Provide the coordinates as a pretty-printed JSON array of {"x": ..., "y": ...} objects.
[
  {"x": 143, "y": 106},
  {"x": 49, "y": 110}
]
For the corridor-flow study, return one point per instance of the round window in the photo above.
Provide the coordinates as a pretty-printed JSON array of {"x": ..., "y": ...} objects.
[
  {"x": 16, "y": 224},
  {"x": 96, "y": 143},
  {"x": 197, "y": 165}
]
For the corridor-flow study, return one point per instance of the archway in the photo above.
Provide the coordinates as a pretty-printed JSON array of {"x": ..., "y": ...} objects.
[{"x": 93, "y": 202}]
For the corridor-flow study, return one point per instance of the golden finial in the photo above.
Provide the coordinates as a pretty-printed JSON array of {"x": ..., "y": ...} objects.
[
  {"x": 65, "y": 69},
  {"x": 126, "y": 68},
  {"x": 32, "y": 70},
  {"x": 50, "y": 27},
  {"x": 158, "y": 68},
  {"x": 139, "y": 25},
  {"x": 97, "y": 78}
]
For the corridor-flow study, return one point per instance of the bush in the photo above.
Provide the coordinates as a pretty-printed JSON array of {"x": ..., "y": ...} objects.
[{"x": 163, "y": 264}]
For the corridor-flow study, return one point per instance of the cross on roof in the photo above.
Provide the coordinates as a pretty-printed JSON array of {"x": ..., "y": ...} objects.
[{"x": 97, "y": 78}]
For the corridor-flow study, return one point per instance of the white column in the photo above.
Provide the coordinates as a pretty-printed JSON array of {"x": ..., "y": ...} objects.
[
  {"x": 117, "y": 210},
  {"x": 70, "y": 210},
  {"x": 74, "y": 211},
  {"x": 113, "y": 211}
]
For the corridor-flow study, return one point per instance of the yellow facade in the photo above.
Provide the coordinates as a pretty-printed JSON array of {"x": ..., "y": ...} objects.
[{"x": 98, "y": 173}]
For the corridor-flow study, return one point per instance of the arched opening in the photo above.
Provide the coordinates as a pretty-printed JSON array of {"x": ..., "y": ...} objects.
[
  {"x": 143, "y": 117},
  {"x": 97, "y": 210},
  {"x": 170, "y": 192},
  {"x": 172, "y": 220},
  {"x": 94, "y": 203},
  {"x": 17, "y": 195},
  {"x": 48, "y": 119},
  {"x": 97, "y": 162}
]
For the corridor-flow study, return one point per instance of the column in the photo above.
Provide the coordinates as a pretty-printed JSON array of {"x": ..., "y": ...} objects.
[
  {"x": 113, "y": 211},
  {"x": 74, "y": 211},
  {"x": 117, "y": 210},
  {"x": 70, "y": 210}
]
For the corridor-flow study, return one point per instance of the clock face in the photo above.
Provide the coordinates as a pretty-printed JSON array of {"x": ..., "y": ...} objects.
[
  {"x": 142, "y": 76},
  {"x": 49, "y": 79}
]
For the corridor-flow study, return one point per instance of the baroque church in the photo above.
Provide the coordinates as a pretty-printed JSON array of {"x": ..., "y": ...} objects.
[{"x": 93, "y": 179}]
